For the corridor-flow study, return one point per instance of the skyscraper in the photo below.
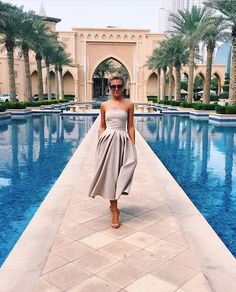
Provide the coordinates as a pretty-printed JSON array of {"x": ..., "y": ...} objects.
[{"x": 172, "y": 6}]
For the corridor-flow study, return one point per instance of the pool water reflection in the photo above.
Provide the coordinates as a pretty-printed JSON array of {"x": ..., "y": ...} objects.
[
  {"x": 202, "y": 159},
  {"x": 33, "y": 153}
]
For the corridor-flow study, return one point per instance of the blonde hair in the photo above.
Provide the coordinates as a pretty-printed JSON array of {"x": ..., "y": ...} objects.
[{"x": 116, "y": 76}]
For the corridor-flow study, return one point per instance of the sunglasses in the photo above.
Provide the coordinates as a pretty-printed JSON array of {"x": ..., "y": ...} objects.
[{"x": 117, "y": 87}]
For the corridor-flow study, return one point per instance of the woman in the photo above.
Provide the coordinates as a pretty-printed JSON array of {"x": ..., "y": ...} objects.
[{"x": 116, "y": 156}]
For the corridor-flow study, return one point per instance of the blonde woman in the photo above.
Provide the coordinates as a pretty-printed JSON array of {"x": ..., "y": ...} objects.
[{"x": 116, "y": 156}]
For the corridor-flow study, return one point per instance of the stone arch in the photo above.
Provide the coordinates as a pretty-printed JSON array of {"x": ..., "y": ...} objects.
[
  {"x": 34, "y": 82},
  {"x": 111, "y": 37},
  {"x": 126, "y": 37},
  {"x": 81, "y": 36},
  {"x": 197, "y": 87},
  {"x": 53, "y": 81},
  {"x": 96, "y": 37},
  {"x": 219, "y": 82},
  {"x": 118, "y": 37},
  {"x": 89, "y": 36},
  {"x": 104, "y": 37},
  {"x": 69, "y": 84},
  {"x": 152, "y": 84},
  {"x": 140, "y": 38},
  {"x": 116, "y": 58},
  {"x": 133, "y": 37},
  {"x": 96, "y": 85}
]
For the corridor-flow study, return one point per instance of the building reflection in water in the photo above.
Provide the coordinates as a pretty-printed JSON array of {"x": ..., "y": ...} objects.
[
  {"x": 33, "y": 153},
  {"x": 202, "y": 159}
]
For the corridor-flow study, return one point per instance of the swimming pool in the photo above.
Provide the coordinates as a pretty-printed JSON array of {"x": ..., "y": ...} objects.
[
  {"x": 33, "y": 152},
  {"x": 202, "y": 159}
]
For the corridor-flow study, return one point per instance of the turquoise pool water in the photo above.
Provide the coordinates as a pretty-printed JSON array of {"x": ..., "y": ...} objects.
[
  {"x": 33, "y": 152},
  {"x": 202, "y": 159}
]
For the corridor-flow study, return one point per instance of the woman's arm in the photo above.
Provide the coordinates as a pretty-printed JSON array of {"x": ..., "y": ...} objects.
[
  {"x": 131, "y": 129},
  {"x": 102, "y": 126}
]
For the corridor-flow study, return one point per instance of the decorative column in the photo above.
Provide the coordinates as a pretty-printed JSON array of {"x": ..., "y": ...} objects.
[{"x": 77, "y": 97}]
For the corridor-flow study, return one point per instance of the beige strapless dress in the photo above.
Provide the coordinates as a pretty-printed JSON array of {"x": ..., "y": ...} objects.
[{"x": 116, "y": 158}]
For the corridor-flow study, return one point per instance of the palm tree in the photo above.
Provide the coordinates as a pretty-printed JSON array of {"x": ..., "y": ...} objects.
[
  {"x": 177, "y": 54},
  {"x": 158, "y": 62},
  {"x": 41, "y": 36},
  {"x": 228, "y": 10},
  {"x": 102, "y": 69},
  {"x": 25, "y": 41},
  {"x": 192, "y": 25},
  {"x": 9, "y": 31},
  {"x": 217, "y": 32},
  {"x": 48, "y": 53}
]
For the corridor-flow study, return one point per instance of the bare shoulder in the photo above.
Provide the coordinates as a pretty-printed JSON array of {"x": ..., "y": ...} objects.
[
  {"x": 129, "y": 104},
  {"x": 103, "y": 105}
]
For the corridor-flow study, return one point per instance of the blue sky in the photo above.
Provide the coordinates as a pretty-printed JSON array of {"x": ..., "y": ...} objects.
[{"x": 96, "y": 13}]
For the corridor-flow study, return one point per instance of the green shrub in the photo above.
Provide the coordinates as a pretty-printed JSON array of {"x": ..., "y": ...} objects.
[
  {"x": 226, "y": 109},
  {"x": 175, "y": 103},
  {"x": 214, "y": 97},
  {"x": 202, "y": 106},
  {"x": 186, "y": 104},
  {"x": 152, "y": 98},
  {"x": 3, "y": 106}
]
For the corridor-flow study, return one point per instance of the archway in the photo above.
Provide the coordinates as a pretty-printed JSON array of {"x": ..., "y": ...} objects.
[
  {"x": 69, "y": 85},
  {"x": 216, "y": 83},
  {"x": 53, "y": 82},
  {"x": 198, "y": 85},
  {"x": 101, "y": 75},
  {"x": 152, "y": 85},
  {"x": 34, "y": 82}
]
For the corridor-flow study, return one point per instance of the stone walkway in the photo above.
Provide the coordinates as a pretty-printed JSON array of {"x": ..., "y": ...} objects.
[{"x": 147, "y": 253}]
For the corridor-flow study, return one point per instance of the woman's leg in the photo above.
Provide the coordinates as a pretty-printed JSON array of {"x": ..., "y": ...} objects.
[{"x": 115, "y": 214}]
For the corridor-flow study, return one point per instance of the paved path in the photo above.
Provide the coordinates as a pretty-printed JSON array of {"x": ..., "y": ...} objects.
[{"x": 147, "y": 253}]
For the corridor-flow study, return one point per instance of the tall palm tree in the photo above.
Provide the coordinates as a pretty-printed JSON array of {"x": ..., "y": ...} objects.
[
  {"x": 157, "y": 61},
  {"x": 228, "y": 10},
  {"x": 25, "y": 41},
  {"x": 41, "y": 36},
  {"x": 177, "y": 55},
  {"x": 192, "y": 25},
  {"x": 102, "y": 69},
  {"x": 9, "y": 31},
  {"x": 217, "y": 32}
]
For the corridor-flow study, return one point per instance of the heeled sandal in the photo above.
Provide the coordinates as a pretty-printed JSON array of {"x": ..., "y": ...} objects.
[{"x": 115, "y": 217}]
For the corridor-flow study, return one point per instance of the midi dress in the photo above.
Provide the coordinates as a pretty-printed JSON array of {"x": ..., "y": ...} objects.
[{"x": 116, "y": 158}]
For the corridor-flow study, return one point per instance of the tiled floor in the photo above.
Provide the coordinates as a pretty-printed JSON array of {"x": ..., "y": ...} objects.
[{"x": 147, "y": 253}]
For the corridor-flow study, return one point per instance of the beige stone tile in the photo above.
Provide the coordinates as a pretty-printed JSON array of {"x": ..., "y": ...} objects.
[
  {"x": 140, "y": 239},
  {"x": 196, "y": 284},
  {"x": 151, "y": 284},
  {"x": 119, "y": 249},
  {"x": 83, "y": 205},
  {"x": 74, "y": 250},
  {"x": 61, "y": 240},
  {"x": 144, "y": 260},
  {"x": 95, "y": 284},
  {"x": 165, "y": 249},
  {"x": 175, "y": 273},
  {"x": 120, "y": 232},
  {"x": 157, "y": 214},
  {"x": 161, "y": 229},
  {"x": 77, "y": 231},
  {"x": 66, "y": 277},
  {"x": 97, "y": 240},
  {"x": 177, "y": 237},
  {"x": 100, "y": 210},
  {"x": 186, "y": 257},
  {"x": 54, "y": 261},
  {"x": 100, "y": 223},
  {"x": 95, "y": 262},
  {"x": 137, "y": 223},
  {"x": 44, "y": 286},
  {"x": 79, "y": 217},
  {"x": 66, "y": 224},
  {"x": 120, "y": 274}
]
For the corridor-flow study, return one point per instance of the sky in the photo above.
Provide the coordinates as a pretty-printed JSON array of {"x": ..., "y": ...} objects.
[{"x": 96, "y": 13}]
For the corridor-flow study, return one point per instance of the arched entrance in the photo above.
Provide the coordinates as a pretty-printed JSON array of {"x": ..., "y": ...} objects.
[
  {"x": 69, "y": 84},
  {"x": 216, "y": 83},
  {"x": 101, "y": 75},
  {"x": 53, "y": 82},
  {"x": 152, "y": 87},
  {"x": 34, "y": 82}
]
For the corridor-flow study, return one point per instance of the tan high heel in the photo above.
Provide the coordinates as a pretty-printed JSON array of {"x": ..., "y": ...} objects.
[{"x": 115, "y": 214}]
